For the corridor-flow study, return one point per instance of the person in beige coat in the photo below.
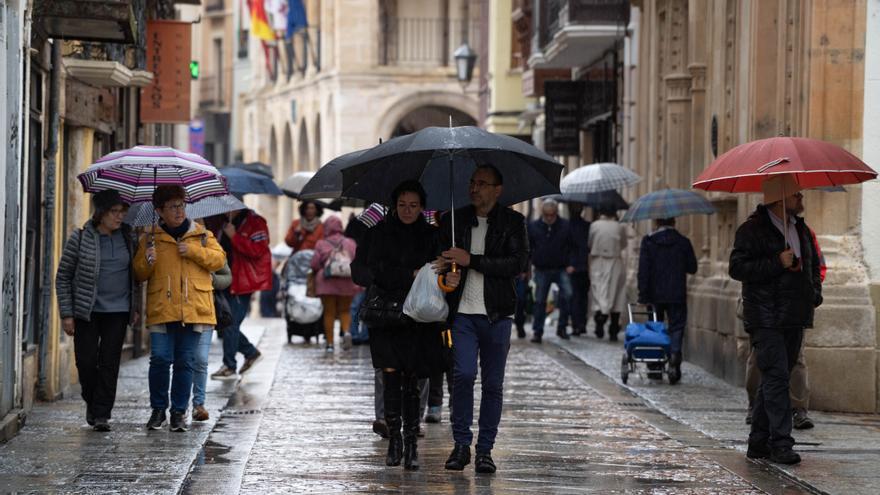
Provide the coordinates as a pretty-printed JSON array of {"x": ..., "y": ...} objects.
[{"x": 607, "y": 273}]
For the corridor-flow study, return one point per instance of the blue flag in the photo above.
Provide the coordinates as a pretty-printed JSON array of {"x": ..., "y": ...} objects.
[{"x": 296, "y": 17}]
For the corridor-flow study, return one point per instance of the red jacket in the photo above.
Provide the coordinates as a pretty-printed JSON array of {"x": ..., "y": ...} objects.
[{"x": 251, "y": 257}]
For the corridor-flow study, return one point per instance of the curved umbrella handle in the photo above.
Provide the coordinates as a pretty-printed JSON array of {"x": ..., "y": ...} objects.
[{"x": 441, "y": 280}]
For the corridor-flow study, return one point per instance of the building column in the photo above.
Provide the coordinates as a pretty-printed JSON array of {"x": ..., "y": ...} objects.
[{"x": 677, "y": 130}]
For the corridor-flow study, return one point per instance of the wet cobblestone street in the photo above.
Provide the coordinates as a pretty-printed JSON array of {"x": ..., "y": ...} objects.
[{"x": 558, "y": 435}]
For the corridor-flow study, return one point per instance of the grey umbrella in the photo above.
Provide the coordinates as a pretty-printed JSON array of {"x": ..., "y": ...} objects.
[{"x": 142, "y": 214}]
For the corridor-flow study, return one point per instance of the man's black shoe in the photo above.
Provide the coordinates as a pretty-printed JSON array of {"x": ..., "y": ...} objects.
[
  {"x": 484, "y": 464},
  {"x": 520, "y": 332},
  {"x": 380, "y": 428},
  {"x": 459, "y": 458},
  {"x": 536, "y": 339},
  {"x": 758, "y": 451},
  {"x": 157, "y": 419},
  {"x": 562, "y": 334},
  {"x": 90, "y": 418},
  {"x": 178, "y": 421},
  {"x": 801, "y": 421},
  {"x": 102, "y": 424},
  {"x": 784, "y": 456}
]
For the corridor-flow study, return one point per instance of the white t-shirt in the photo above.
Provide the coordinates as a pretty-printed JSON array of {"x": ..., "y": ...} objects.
[{"x": 472, "y": 302}]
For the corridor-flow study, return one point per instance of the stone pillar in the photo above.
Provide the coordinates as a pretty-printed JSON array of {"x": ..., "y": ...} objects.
[{"x": 677, "y": 131}]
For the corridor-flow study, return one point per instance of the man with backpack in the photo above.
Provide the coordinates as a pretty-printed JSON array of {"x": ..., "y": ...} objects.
[{"x": 245, "y": 238}]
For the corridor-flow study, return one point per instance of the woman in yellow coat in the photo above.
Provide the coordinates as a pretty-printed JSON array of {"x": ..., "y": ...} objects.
[{"x": 176, "y": 258}]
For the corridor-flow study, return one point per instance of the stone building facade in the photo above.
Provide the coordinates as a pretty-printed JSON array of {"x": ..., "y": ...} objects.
[
  {"x": 706, "y": 76},
  {"x": 363, "y": 70}
]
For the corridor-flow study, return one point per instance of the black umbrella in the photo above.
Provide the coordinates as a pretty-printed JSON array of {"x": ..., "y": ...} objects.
[
  {"x": 327, "y": 181},
  {"x": 255, "y": 167},
  {"x": 443, "y": 160},
  {"x": 608, "y": 199}
]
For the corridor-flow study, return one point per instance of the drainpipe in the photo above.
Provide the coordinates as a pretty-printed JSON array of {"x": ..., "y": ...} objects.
[{"x": 46, "y": 277}]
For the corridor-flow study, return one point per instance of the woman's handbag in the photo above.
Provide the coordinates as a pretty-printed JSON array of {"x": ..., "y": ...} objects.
[
  {"x": 382, "y": 309},
  {"x": 222, "y": 311}
]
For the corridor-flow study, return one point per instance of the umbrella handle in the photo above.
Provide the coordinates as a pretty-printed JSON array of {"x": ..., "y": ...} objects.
[{"x": 441, "y": 280}]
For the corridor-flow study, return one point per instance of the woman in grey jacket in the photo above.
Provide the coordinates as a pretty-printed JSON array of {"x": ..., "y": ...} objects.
[{"x": 93, "y": 286}]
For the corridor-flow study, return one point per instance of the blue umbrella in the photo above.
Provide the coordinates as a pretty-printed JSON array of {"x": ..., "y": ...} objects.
[
  {"x": 241, "y": 181},
  {"x": 667, "y": 203}
]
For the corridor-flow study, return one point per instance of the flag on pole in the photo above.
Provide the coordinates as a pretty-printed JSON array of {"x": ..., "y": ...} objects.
[
  {"x": 260, "y": 26},
  {"x": 296, "y": 17}
]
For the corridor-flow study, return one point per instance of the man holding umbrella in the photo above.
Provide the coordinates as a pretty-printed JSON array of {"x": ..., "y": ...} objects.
[
  {"x": 493, "y": 250},
  {"x": 774, "y": 258}
]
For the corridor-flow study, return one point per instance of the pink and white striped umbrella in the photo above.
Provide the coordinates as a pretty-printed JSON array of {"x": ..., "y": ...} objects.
[{"x": 137, "y": 171}]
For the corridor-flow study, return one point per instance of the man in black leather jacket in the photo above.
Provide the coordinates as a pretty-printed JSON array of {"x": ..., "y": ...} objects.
[
  {"x": 781, "y": 286},
  {"x": 492, "y": 249}
]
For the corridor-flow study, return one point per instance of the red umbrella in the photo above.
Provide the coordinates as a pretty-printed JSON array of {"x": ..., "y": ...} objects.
[{"x": 812, "y": 162}]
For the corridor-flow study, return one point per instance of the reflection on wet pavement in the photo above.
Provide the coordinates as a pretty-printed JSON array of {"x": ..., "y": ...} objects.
[{"x": 557, "y": 435}]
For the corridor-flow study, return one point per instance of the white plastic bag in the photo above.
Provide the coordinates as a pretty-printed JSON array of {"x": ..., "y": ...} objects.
[
  {"x": 425, "y": 302},
  {"x": 301, "y": 308}
]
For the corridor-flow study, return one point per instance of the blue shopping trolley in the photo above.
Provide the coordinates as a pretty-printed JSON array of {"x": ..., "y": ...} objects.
[{"x": 645, "y": 342}]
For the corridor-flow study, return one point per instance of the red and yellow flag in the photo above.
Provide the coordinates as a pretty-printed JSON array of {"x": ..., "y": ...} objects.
[{"x": 260, "y": 21}]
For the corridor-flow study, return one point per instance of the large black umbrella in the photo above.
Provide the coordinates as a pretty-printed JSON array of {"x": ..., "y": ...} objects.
[
  {"x": 255, "y": 167},
  {"x": 327, "y": 181},
  {"x": 443, "y": 160}
]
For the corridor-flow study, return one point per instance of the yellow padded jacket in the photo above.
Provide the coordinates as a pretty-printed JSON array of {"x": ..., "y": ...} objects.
[{"x": 179, "y": 287}]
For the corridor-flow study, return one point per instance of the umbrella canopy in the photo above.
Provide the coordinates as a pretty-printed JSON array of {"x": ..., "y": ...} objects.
[
  {"x": 243, "y": 182},
  {"x": 598, "y": 177},
  {"x": 443, "y": 160},
  {"x": 668, "y": 203},
  {"x": 135, "y": 173},
  {"x": 327, "y": 181},
  {"x": 255, "y": 167},
  {"x": 292, "y": 186},
  {"x": 142, "y": 214},
  {"x": 811, "y": 162},
  {"x": 608, "y": 199}
]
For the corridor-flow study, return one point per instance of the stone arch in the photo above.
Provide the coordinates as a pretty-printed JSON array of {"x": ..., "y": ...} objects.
[
  {"x": 285, "y": 204},
  {"x": 317, "y": 160},
  {"x": 303, "y": 155},
  {"x": 267, "y": 206},
  {"x": 408, "y": 103}
]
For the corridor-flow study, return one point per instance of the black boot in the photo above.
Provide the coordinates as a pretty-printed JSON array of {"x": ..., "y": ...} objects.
[
  {"x": 600, "y": 320},
  {"x": 675, "y": 368},
  {"x": 392, "y": 398},
  {"x": 411, "y": 402},
  {"x": 614, "y": 327}
]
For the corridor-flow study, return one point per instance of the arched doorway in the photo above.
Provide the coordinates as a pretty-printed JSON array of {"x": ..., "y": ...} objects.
[
  {"x": 285, "y": 204},
  {"x": 317, "y": 155},
  {"x": 429, "y": 116},
  {"x": 415, "y": 111},
  {"x": 303, "y": 156}
]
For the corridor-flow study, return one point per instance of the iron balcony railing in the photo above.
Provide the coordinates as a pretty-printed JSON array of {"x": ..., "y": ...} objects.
[
  {"x": 425, "y": 41},
  {"x": 557, "y": 14}
]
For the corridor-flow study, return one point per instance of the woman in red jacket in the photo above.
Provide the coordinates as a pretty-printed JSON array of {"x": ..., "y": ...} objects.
[{"x": 307, "y": 230}]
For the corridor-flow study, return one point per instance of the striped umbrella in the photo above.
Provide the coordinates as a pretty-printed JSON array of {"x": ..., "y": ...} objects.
[
  {"x": 142, "y": 214},
  {"x": 667, "y": 203},
  {"x": 135, "y": 173},
  {"x": 598, "y": 177}
]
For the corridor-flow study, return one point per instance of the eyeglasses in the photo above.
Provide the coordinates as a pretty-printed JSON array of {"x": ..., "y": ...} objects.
[
  {"x": 118, "y": 210},
  {"x": 175, "y": 207},
  {"x": 479, "y": 184}
]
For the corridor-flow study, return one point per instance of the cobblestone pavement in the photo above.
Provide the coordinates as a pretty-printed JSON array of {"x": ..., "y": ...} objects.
[
  {"x": 558, "y": 435},
  {"x": 57, "y": 451}
]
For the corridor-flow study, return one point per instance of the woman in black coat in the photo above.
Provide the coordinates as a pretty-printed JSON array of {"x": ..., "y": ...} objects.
[{"x": 388, "y": 260}]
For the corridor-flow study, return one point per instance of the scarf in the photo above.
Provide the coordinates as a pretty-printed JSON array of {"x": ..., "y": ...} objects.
[
  {"x": 309, "y": 225},
  {"x": 176, "y": 232}
]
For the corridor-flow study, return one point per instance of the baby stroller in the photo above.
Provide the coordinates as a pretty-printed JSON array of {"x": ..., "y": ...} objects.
[
  {"x": 303, "y": 314},
  {"x": 646, "y": 342}
]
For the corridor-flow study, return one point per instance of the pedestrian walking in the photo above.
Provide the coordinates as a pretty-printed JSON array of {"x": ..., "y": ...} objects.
[
  {"x": 551, "y": 249},
  {"x": 245, "y": 238},
  {"x": 94, "y": 287},
  {"x": 393, "y": 252},
  {"x": 493, "y": 249},
  {"x": 220, "y": 281},
  {"x": 332, "y": 266},
  {"x": 774, "y": 258},
  {"x": 607, "y": 273},
  {"x": 307, "y": 230},
  {"x": 524, "y": 302},
  {"x": 666, "y": 258},
  {"x": 176, "y": 259},
  {"x": 580, "y": 275},
  {"x": 799, "y": 388}
]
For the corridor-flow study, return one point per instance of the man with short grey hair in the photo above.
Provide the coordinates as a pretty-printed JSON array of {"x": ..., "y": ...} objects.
[{"x": 552, "y": 251}]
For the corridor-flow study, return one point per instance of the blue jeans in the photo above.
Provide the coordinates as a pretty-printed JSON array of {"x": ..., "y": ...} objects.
[
  {"x": 174, "y": 348},
  {"x": 200, "y": 368},
  {"x": 233, "y": 340},
  {"x": 475, "y": 336},
  {"x": 358, "y": 330},
  {"x": 543, "y": 279}
]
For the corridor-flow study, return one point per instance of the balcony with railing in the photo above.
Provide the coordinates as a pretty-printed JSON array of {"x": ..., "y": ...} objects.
[
  {"x": 424, "y": 42},
  {"x": 571, "y": 33},
  {"x": 215, "y": 93}
]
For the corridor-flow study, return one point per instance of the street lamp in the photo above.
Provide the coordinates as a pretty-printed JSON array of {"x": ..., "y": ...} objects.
[{"x": 465, "y": 58}]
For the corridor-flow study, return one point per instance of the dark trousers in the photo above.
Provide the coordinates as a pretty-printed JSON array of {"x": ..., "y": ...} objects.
[
  {"x": 474, "y": 336},
  {"x": 435, "y": 388},
  {"x": 233, "y": 340},
  {"x": 522, "y": 300},
  {"x": 97, "y": 348},
  {"x": 577, "y": 305},
  {"x": 776, "y": 352},
  {"x": 676, "y": 316}
]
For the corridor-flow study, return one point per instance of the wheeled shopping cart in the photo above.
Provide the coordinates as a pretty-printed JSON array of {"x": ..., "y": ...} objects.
[{"x": 645, "y": 342}]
